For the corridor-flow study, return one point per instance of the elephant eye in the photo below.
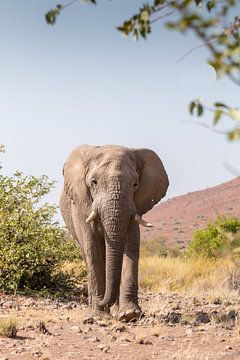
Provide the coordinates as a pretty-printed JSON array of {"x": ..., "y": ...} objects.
[
  {"x": 93, "y": 182},
  {"x": 135, "y": 185}
]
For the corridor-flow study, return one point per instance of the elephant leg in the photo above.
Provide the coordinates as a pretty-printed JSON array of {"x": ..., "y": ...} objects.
[
  {"x": 95, "y": 259},
  {"x": 65, "y": 206},
  {"x": 129, "y": 308},
  {"x": 94, "y": 253},
  {"x": 115, "y": 308}
]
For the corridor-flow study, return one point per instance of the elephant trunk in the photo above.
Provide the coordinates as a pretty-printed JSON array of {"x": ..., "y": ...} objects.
[{"x": 115, "y": 216}]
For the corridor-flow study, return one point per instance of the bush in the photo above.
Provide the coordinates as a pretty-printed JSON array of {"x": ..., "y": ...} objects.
[
  {"x": 8, "y": 328},
  {"x": 155, "y": 247},
  {"x": 32, "y": 245},
  {"x": 216, "y": 239}
]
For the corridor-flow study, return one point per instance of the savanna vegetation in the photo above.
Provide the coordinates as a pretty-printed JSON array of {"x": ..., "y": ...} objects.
[
  {"x": 37, "y": 254},
  {"x": 210, "y": 263}
]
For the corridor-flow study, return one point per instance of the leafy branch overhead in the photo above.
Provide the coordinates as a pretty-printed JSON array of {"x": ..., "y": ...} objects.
[
  {"x": 212, "y": 21},
  {"x": 220, "y": 111}
]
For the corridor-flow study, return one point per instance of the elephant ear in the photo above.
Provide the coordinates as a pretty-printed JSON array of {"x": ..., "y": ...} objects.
[
  {"x": 74, "y": 172},
  {"x": 153, "y": 181}
]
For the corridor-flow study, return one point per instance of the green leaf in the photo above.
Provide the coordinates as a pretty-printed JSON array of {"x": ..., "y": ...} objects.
[
  {"x": 199, "y": 109},
  {"x": 192, "y": 106},
  {"x": 219, "y": 104},
  {"x": 135, "y": 34},
  {"x": 211, "y": 4},
  {"x": 198, "y": 2},
  {"x": 52, "y": 15},
  {"x": 234, "y": 135},
  {"x": 217, "y": 116}
]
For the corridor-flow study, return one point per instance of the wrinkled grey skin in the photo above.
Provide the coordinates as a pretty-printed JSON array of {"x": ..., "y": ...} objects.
[{"x": 113, "y": 183}]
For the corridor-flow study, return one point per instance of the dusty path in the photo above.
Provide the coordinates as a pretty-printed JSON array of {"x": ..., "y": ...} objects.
[{"x": 174, "y": 327}]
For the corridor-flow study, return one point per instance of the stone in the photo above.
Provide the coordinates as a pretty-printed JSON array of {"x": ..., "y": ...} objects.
[
  {"x": 88, "y": 320},
  {"x": 202, "y": 318}
]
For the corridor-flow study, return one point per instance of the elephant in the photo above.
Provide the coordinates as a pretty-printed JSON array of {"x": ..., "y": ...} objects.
[{"x": 106, "y": 191}]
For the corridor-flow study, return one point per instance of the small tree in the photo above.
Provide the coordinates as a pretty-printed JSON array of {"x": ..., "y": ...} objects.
[
  {"x": 32, "y": 244},
  {"x": 215, "y": 239}
]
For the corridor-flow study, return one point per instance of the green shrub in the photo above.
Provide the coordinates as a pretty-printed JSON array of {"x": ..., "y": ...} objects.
[
  {"x": 215, "y": 239},
  {"x": 32, "y": 245},
  {"x": 231, "y": 225}
]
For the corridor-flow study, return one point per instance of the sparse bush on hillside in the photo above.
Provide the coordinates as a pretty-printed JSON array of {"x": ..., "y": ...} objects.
[
  {"x": 215, "y": 239},
  {"x": 156, "y": 247},
  {"x": 32, "y": 245}
]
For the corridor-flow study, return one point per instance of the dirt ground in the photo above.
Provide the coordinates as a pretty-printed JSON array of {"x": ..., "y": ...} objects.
[{"x": 174, "y": 327}]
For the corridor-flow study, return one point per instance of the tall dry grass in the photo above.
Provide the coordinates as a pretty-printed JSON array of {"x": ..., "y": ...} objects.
[
  {"x": 217, "y": 278},
  {"x": 195, "y": 276}
]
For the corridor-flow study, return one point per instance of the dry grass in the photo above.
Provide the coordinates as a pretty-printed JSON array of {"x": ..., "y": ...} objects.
[
  {"x": 8, "y": 327},
  {"x": 195, "y": 276},
  {"x": 218, "y": 278}
]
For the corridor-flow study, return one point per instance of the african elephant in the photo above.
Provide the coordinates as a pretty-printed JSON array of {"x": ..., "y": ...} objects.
[{"x": 106, "y": 191}]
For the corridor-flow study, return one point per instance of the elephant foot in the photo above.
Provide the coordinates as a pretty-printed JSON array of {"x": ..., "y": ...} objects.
[
  {"x": 129, "y": 312},
  {"x": 114, "y": 310},
  {"x": 95, "y": 315},
  {"x": 98, "y": 313}
]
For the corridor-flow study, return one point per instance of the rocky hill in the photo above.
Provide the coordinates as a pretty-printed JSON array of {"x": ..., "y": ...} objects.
[{"x": 176, "y": 219}]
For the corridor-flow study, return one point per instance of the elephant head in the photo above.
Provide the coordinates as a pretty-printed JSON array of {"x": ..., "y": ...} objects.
[{"x": 114, "y": 186}]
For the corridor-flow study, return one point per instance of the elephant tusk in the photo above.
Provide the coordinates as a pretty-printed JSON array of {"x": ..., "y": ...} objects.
[
  {"x": 142, "y": 222},
  {"x": 91, "y": 217}
]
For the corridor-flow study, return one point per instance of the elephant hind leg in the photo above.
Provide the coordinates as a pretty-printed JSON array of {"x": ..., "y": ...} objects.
[{"x": 65, "y": 207}]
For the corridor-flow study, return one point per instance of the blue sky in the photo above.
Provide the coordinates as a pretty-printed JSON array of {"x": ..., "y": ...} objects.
[{"x": 82, "y": 82}]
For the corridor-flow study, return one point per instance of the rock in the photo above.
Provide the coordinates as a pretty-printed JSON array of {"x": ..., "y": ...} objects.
[
  {"x": 168, "y": 338},
  {"x": 189, "y": 332},
  {"x": 173, "y": 318},
  {"x": 104, "y": 348},
  {"x": 102, "y": 323},
  {"x": 144, "y": 342},
  {"x": 95, "y": 339},
  {"x": 217, "y": 301},
  {"x": 86, "y": 331},
  {"x": 118, "y": 327},
  {"x": 232, "y": 315},
  {"x": 88, "y": 320},
  {"x": 202, "y": 318},
  {"x": 41, "y": 327},
  {"x": 30, "y": 327},
  {"x": 113, "y": 338},
  {"x": 76, "y": 329},
  {"x": 126, "y": 339}
]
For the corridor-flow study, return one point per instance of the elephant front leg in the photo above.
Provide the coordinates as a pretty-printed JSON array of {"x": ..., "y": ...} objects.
[
  {"x": 94, "y": 253},
  {"x": 95, "y": 258},
  {"x": 128, "y": 301}
]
